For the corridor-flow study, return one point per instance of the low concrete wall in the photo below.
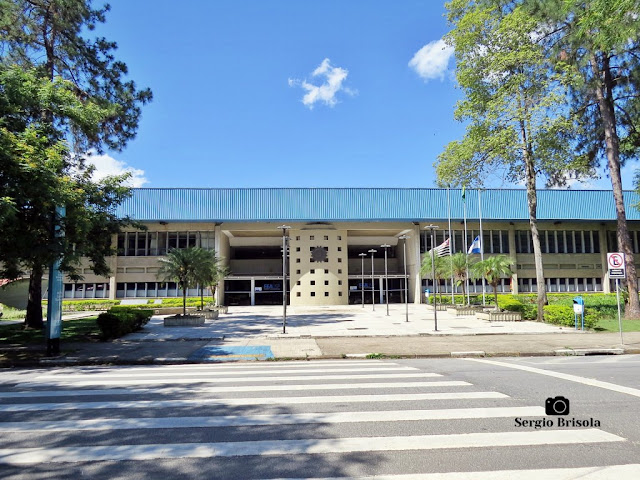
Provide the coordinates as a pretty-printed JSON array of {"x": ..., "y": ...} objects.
[{"x": 193, "y": 321}]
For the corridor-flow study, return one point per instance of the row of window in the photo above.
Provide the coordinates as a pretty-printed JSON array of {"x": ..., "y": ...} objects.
[
  {"x": 494, "y": 241},
  {"x": 153, "y": 289},
  {"x": 143, "y": 244},
  {"x": 560, "y": 241},
  {"x": 525, "y": 285}
]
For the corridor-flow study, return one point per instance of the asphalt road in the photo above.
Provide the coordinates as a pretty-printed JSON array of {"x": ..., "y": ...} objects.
[{"x": 404, "y": 419}]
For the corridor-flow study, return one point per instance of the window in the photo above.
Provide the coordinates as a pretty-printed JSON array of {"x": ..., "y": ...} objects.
[
  {"x": 339, "y": 249},
  {"x": 297, "y": 294},
  {"x": 313, "y": 294},
  {"x": 298, "y": 238},
  {"x": 298, "y": 261},
  {"x": 297, "y": 249},
  {"x": 312, "y": 282},
  {"x": 326, "y": 294},
  {"x": 312, "y": 237},
  {"x": 339, "y": 238},
  {"x": 339, "y": 282},
  {"x": 326, "y": 282},
  {"x": 339, "y": 271},
  {"x": 297, "y": 272},
  {"x": 326, "y": 237},
  {"x": 298, "y": 282},
  {"x": 326, "y": 271},
  {"x": 312, "y": 271}
]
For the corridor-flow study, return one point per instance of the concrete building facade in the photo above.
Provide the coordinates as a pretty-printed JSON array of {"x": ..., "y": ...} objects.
[{"x": 332, "y": 232}]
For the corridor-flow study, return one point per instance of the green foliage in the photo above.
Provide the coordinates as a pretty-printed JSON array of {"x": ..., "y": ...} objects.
[
  {"x": 60, "y": 93},
  {"x": 510, "y": 304},
  {"x": 88, "y": 305},
  {"x": 190, "y": 267},
  {"x": 119, "y": 321}
]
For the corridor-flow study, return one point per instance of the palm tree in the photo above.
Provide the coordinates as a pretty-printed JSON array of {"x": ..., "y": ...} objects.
[
  {"x": 209, "y": 272},
  {"x": 441, "y": 269},
  {"x": 181, "y": 265},
  {"x": 492, "y": 269},
  {"x": 457, "y": 268}
]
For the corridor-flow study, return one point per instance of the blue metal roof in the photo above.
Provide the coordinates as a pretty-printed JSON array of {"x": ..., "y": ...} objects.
[{"x": 366, "y": 204}]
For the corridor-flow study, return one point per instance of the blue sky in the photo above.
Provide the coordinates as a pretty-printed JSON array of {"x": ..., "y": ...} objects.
[{"x": 284, "y": 93}]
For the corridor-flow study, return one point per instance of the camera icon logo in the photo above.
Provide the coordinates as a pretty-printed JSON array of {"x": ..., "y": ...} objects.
[{"x": 556, "y": 406}]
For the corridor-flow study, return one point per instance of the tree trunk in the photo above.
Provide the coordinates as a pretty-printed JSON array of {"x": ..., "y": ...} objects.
[
  {"x": 532, "y": 202},
  {"x": 604, "y": 96},
  {"x": 184, "y": 300},
  {"x": 34, "y": 302}
]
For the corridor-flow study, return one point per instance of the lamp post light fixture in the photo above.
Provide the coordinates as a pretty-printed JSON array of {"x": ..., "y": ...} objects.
[
  {"x": 362, "y": 255},
  {"x": 432, "y": 229},
  {"x": 406, "y": 287},
  {"x": 285, "y": 239},
  {"x": 373, "y": 281},
  {"x": 386, "y": 276}
]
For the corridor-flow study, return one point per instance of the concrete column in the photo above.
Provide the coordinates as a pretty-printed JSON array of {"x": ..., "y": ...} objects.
[
  {"x": 253, "y": 291},
  {"x": 514, "y": 258},
  {"x": 221, "y": 242},
  {"x": 413, "y": 265},
  {"x": 602, "y": 237},
  {"x": 112, "y": 288}
]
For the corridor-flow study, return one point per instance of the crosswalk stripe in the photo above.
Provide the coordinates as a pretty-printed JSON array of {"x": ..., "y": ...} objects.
[
  {"x": 160, "y": 381},
  {"x": 30, "y": 456},
  {"x": 604, "y": 472},
  {"x": 303, "y": 364},
  {"x": 278, "y": 419},
  {"x": 186, "y": 373},
  {"x": 241, "y": 388},
  {"x": 23, "y": 407}
]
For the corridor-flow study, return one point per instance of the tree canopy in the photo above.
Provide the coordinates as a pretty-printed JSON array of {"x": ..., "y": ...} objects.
[{"x": 62, "y": 95}]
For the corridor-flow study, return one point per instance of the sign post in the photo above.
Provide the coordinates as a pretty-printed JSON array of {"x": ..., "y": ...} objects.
[
  {"x": 617, "y": 270},
  {"x": 54, "y": 300}
]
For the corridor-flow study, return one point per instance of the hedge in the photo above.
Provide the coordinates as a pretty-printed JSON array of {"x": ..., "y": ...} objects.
[
  {"x": 119, "y": 321},
  {"x": 563, "y": 315}
]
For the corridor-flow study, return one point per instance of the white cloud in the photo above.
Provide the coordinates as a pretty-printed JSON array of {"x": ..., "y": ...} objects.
[
  {"x": 332, "y": 81},
  {"x": 432, "y": 60},
  {"x": 106, "y": 165}
]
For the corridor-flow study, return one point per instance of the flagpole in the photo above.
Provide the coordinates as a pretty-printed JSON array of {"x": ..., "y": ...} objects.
[
  {"x": 450, "y": 244},
  {"x": 466, "y": 246},
  {"x": 481, "y": 243}
]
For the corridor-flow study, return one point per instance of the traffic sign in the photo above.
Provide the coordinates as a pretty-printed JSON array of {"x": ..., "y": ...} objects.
[{"x": 616, "y": 265}]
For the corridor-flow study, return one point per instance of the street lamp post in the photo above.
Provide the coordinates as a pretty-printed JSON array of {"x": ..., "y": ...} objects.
[
  {"x": 362, "y": 255},
  {"x": 284, "y": 229},
  {"x": 406, "y": 288},
  {"x": 373, "y": 281},
  {"x": 432, "y": 229},
  {"x": 386, "y": 276}
]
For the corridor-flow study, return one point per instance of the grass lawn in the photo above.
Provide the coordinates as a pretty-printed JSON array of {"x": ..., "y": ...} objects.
[
  {"x": 611, "y": 325},
  {"x": 78, "y": 330}
]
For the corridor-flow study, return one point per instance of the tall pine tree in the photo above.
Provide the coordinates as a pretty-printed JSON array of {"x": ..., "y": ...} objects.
[{"x": 45, "y": 38}]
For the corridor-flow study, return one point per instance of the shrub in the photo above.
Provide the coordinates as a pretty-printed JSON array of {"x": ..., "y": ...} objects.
[
  {"x": 119, "y": 321},
  {"x": 510, "y": 304},
  {"x": 563, "y": 315}
]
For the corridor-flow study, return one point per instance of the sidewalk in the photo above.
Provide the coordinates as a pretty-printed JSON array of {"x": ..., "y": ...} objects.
[{"x": 250, "y": 333}]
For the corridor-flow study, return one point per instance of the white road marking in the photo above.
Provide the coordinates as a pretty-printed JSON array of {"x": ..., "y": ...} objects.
[
  {"x": 164, "y": 381},
  {"x": 605, "y": 472},
  {"x": 564, "y": 376},
  {"x": 407, "y": 397},
  {"x": 279, "y": 419},
  {"x": 168, "y": 374},
  {"x": 216, "y": 367},
  {"x": 31, "y": 456},
  {"x": 242, "y": 388}
]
